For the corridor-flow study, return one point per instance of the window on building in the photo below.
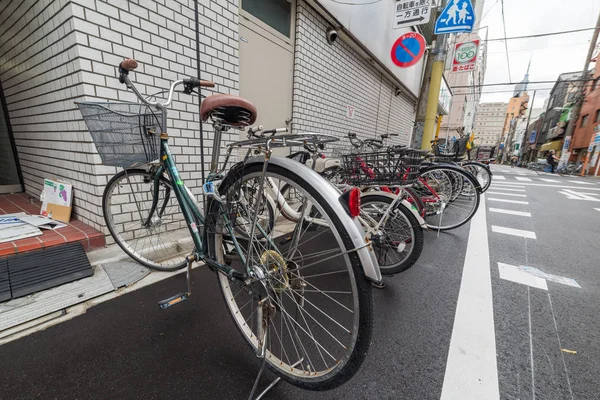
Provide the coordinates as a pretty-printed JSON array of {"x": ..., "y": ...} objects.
[
  {"x": 275, "y": 13},
  {"x": 584, "y": 120}
]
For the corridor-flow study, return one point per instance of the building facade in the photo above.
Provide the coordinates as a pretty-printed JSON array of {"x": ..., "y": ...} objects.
[
  {"x": 589, "y": 119},
  {"x": 275, "y": 53},
  {"x": 489, "y": 122}
]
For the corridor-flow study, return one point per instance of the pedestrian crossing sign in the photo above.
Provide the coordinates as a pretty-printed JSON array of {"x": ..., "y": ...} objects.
[{"x": 458, "y": 16}]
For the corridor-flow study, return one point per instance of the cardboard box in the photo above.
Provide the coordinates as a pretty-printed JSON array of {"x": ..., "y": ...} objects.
[{"x": 56, "y": 200}]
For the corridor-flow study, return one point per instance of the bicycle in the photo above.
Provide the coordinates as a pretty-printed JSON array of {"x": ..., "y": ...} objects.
[
  {"x": 303, "y": 305},
  {"x": 445, "y": 195}
]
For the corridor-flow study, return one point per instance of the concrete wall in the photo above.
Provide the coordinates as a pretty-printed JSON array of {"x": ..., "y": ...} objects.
[{"x": 329, "y": 78}]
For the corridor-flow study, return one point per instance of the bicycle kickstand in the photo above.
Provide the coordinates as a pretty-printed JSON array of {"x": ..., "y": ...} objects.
[{"x": 178, "y": 298}]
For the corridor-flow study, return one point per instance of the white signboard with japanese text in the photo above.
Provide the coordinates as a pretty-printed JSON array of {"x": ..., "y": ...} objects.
[
  {"x": 411, "y": 12},
  {"x": 465, "y": 56}
]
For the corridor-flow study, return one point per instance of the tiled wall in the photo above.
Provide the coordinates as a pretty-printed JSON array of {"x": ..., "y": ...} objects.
[
  {"x": 58, "y": 52},
  {"x": 329, "y": 78}
]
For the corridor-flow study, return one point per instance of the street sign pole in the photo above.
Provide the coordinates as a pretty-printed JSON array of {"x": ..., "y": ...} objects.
[{"x": 435, "y": 83}]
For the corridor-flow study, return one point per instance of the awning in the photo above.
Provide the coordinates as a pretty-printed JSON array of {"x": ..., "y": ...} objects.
[{"x": 556, "y": 145}]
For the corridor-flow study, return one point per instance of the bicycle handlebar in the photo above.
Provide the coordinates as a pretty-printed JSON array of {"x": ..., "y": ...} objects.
[{"x": 130, "y": 64}]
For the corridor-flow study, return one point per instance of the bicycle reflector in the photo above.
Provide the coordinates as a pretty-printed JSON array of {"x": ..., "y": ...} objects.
[{"x": 351, "y": 201}]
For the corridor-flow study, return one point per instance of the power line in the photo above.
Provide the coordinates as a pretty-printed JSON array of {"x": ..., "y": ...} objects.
[
  {"x": 505, "y": 41},
  {"x": 517, "y": 83},
  {"x": 489, "y": 9},
  {"x": 536, "y": 35},
  {"x": 501, "y": 91}
]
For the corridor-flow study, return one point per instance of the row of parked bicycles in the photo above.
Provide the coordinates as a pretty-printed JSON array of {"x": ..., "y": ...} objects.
[{"x": 297, "y": 243}]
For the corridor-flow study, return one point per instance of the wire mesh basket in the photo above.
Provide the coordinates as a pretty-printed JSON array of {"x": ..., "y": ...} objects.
[
  {"x": 397, "y": 167},
  {"x": 125, "y": 134}
]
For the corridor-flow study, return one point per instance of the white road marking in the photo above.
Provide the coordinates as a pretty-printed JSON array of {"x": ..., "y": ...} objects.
[
  {"x": 498, "y": 177},
  {"x": 507, "y": 189},
  {"x": 520, "y": 184},
  {"x": 515, "y": 274},
  {"x": 509, "y": 201},
  {"x": 519, "y": 178},
  {"x": 511, "y": 212},
  {"x": 548, "y": 180},
  {"x": 581, "y": 183},
  {"x": 597, "y": 209},
  {"x": 508, "y": 194},
  {"x": 573, "y": 195},
  {"x": 514, "y": 232},
  {"x": 471, "y": 369}
]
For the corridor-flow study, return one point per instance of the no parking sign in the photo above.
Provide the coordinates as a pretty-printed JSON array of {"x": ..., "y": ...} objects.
[{"x": 408, "y": 49}]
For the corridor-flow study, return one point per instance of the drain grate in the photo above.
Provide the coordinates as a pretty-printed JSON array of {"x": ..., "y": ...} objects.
[{"x": 43, "y": 269}]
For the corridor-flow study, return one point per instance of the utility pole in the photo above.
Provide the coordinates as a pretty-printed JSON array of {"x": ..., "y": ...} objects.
[
  {"x": 524, "y": 140},
  {"x": 577, "y": 107},
  {"x": 435, "y": 83}
]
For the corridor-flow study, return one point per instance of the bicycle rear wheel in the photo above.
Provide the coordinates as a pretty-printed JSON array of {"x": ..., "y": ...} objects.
[
  {"x": 163, "y": 242},
  {"x": 319, "y": 327}
]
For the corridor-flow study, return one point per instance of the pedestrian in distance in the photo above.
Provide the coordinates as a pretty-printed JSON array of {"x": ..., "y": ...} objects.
[
  {"x": 513, "y": 161},
  {"x": 552, "y": 160}
]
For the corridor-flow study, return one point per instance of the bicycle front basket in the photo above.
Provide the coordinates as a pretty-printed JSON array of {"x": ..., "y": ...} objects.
[{"x": 125, "y": 134}]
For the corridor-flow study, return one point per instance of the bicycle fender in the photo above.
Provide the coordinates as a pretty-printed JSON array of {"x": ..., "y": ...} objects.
[
  {"x": 422, "y": 222},
  {"x": 331, "y": 195}
]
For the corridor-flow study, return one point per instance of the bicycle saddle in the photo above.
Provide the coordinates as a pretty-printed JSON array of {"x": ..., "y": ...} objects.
[{"x": 231, "y": 110}]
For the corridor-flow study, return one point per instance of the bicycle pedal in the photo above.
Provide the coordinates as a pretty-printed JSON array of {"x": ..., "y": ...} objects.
[{"x": 171, "y": 301}]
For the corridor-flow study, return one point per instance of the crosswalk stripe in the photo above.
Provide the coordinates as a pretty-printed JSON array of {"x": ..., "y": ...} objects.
[
  {"x": 499, "y": 177},
  {"x": 548, "y": 180},
  {"x": 520, "y": 178},
  {"x": 511, "y": 212},
  {"x": 508, "y": 194},
  {"x": 509, "y": 201},
  {"x": 514, "y": 232},
  {"x": 508, "y": 189},
  {"x": 582, "y": 183},
  {"x": 597, "y": 209}
]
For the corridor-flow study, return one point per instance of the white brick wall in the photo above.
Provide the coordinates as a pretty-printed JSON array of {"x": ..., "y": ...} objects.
[
  {"x": 328, "y": 78},
  {"x": 53, "y": 53}
]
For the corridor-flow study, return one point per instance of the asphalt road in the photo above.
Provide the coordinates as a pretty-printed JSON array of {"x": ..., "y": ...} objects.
[{"x": 127, "y": 348}]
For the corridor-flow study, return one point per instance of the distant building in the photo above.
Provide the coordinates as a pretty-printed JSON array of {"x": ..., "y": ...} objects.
[
  {"x": 489, "y": 121},
  {"x": 588, "y": 122}
]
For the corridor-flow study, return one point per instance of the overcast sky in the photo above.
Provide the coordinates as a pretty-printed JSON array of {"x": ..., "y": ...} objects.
[{"x": 550, "y": 55}]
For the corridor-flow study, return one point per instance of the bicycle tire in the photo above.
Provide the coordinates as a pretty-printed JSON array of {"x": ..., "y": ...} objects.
[
  {"x": 480, "y": 169},
  {"x": 382, "y": 247},
  {"x": 132, "y": 240},
  {"x": 469, "y": 182},
  {"x": 356, "y": 351}
]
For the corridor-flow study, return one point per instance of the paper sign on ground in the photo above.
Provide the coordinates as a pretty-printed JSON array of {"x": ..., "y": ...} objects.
[
  {"x": 12, "y": 228},
  {"x": 56, "y": 200},
  {"x": 42, "y": 222}
]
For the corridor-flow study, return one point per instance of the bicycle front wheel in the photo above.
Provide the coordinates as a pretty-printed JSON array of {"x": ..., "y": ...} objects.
[
  {"x": 308, "y": 291},
  {"x": 461, "y": 206},
  {"x": 399, "y": 240},
  {"x": 481, "y": 172},
  {"x": 155, "y": 237}
]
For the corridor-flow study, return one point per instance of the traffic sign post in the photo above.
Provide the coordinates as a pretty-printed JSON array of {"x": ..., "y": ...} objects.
[
  {"x": 465, "y": 56},
  {"x": 409, "y": 13},
  {"x": 408, "y": 49},
  {"x": 458, "y": 16}
]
